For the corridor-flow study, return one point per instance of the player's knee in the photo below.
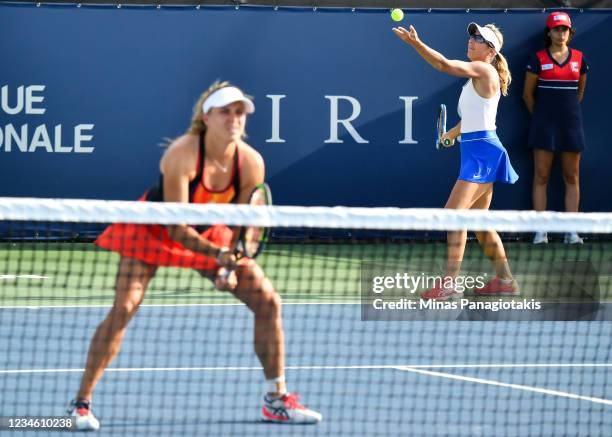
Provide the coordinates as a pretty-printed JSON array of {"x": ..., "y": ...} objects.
[
  {"x": 541, "y": 177},
  {"x": 269, "y": 305},
  {"x": 274, "y": 303},
  {"x": 570, "y": 178},
  {"x": 121, "y": 313},
  {"x": 251, "y": 276}
]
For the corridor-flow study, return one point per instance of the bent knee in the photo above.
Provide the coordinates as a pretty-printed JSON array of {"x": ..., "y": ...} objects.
[
  {"x": 268, "y": 304},
  {"x": 251, "y": 276},
  {"x": 122, "y": 312}
]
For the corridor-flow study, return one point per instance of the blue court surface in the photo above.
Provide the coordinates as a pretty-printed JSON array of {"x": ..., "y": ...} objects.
[{"x": 191, "y": 370}]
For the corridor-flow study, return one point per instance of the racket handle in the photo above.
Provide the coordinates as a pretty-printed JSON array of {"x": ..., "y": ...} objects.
[
  {"x": 222, "y": 251},
  {"x": 443, "y": 143},
  {"x": 225, "y": 274}
]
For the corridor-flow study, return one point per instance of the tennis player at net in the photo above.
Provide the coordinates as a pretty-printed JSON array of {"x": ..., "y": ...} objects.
[
  {"x": 484, "y": 159},
  {"x": 210, "y": 163}
]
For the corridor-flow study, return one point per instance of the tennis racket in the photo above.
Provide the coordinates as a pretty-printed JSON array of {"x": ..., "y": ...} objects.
[
  {"x": 441, "y": 128},
  {"x": 251, "y": 239}
]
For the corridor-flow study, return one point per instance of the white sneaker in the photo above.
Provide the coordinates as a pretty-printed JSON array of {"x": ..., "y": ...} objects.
[
  {"x": 287, "y": 409},
  {"x": 573, "y": 238},
  {"x": 84, "y": 419},
  {"x": 540, "y": 238}
]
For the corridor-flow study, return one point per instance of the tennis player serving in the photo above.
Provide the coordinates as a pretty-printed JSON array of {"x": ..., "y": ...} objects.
[
  {"x": 484, "y": 159},
  {"x": 210, "y": 163}
]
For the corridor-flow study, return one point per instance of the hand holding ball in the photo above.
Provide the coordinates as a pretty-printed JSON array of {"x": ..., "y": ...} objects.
[{"x": 397, "y": 14}]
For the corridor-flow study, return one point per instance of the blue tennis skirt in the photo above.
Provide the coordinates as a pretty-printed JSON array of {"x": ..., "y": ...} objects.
[{"x": 484, "y": 159}]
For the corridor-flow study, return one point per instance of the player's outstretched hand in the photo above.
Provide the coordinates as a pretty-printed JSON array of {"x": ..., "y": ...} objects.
[{"x": 408, "y": 36}]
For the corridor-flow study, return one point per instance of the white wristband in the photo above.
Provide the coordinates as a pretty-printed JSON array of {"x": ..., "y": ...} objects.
[{"x": 222, "y": 252}]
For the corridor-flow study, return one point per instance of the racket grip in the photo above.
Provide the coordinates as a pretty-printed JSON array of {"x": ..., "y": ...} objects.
[
  {"x": 447, "y": 142},
  {"x": 222, "y": 251},
  {"x": 225, "y": 274}
]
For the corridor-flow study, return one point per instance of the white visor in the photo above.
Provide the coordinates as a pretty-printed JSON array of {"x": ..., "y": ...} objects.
[
  {"x": 226, "y": 95},
  {"x": 486, "y": 33}
]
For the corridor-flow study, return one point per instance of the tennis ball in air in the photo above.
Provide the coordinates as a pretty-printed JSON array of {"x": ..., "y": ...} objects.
[{"x": 397, "y": 14}]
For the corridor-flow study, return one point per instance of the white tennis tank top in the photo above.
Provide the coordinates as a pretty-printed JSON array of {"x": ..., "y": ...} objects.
[{"x": 476, "y": 112}]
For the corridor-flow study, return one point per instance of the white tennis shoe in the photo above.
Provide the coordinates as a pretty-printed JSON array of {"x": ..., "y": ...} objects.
[
  {"x": 287, "y": 409},
  {"x": 573, "y": 238},
  {"x": 540, "y": 238},
  {"x": 84, "y": 419}
]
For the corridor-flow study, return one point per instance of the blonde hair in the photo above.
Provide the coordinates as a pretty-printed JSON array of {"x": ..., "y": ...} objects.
[
  {"x": 197, "y": 124},
  {"x": 500, "y": 63}
]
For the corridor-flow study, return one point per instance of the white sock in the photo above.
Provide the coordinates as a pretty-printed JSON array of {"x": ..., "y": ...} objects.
[{"x": 271, "y": 385}]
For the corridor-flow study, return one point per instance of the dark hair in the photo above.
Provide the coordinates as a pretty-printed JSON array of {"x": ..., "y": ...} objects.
[{"x": 548, "y": 41}]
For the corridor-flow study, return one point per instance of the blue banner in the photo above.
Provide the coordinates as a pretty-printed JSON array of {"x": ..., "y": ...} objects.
[{"x": 345, "y": 110}]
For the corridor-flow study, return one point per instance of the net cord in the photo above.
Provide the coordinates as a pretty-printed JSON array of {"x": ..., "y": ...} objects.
[{"x": 105, "y": 211}]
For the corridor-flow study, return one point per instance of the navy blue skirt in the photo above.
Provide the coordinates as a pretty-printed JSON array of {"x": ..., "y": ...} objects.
[
  {"x": 484, "y": 159},
  {"x": 556, "y": 124}
]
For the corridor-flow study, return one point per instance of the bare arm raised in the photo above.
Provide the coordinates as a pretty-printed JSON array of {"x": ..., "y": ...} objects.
[{"x": 482, "y": 73}]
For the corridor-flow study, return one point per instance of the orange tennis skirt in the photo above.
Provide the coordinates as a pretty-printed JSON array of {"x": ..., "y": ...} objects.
[{"x": 152, "y": 244}]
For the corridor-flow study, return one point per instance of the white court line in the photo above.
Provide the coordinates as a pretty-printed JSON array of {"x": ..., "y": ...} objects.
[
  {"x": 24, "y": 277},
  {"x": 402, "y": 367},
  {"x": 514, "y": 386},
  {"x": 229, "y": 304}
]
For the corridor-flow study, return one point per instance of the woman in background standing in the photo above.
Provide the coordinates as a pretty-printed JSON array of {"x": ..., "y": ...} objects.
[{"x": 554, "y": 87}]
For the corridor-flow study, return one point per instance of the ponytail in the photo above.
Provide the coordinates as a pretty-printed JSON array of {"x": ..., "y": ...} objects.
[{"x": 501, "y": 65}]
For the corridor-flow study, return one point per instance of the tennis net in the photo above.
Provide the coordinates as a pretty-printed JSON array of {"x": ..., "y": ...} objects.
[{"x": 527, "y": 356}]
